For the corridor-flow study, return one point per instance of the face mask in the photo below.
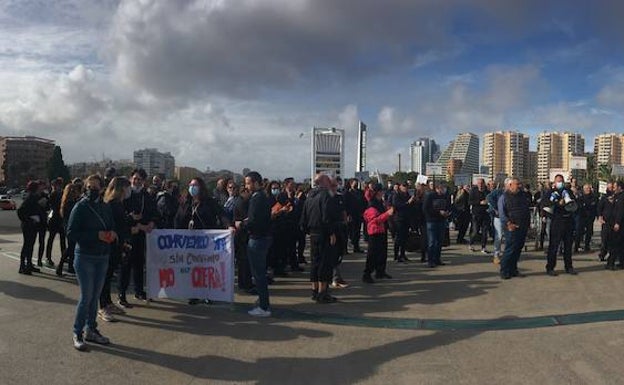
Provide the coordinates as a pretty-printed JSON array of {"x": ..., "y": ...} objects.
[
  {"x": 137, "y": 189},
  {"x": 193, "y": 190},
  {"x": 127, "y": 194},
  {"x": 275, "y": 191},
  {"x": 332, "y": 193},
  {"x": 559, "y": 185},
  {"x": 93, "y": 194}
]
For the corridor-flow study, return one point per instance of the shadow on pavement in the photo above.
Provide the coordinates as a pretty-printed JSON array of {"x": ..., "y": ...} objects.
[
  {"x": 33, "y": 293},
  {"x": 347, "y": 368}
]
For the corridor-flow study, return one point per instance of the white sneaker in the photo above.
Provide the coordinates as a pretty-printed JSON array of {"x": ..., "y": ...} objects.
[
  {"x": 484, "y": 251},
  {"x": 105, "y": 315},
  {"x": 259, "y": 312},
  {"x": 114, "y": 309},
  {"x": 93, "y": 335},
  {"x": 79, "y": 343}
]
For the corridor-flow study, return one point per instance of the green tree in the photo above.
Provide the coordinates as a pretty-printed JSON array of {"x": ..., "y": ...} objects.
[
  {"x": 604, "y": 172},
  {"x": 57, "y": 167}
]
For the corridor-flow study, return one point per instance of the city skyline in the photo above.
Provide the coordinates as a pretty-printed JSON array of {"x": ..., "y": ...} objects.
[{"x": 112, "y": 76}]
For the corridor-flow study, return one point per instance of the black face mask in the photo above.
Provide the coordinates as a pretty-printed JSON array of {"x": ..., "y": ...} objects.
[{"x": 93, "y": 194}]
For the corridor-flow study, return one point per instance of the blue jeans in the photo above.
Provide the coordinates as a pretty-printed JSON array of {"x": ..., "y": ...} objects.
[
  {"x": 514, "y": 242},
  {"x": 498, "y": 234},
  {"x": 257, "y": 250},
  {"x": 435, "y": 232},
  {"x": 91, "y": 273}
]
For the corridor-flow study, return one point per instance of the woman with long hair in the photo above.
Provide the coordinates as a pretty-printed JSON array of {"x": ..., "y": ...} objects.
[
  {"x": 92, "y": 227},
  {"x": 200, "y": 212},
  {"x": 31, "y": 215},
  {"x": 71, "y": 195},
  {"x": 116, "y": 193}
]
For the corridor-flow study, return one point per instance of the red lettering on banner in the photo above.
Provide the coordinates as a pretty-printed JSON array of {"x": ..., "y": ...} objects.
[
  {"x": 207, "y": 277},
  {"x": 167, "y": 278}
]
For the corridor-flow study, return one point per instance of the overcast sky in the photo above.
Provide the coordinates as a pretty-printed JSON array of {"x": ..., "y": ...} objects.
[{"x": 234, "y": 83}]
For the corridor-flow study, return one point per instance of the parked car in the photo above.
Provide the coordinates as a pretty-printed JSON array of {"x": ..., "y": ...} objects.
[{"x": 6, "y": 203}]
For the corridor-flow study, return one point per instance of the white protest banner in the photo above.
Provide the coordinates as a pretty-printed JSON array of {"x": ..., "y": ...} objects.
[
  {"x": 421, "y": 179},
  {"x": 602, "y": 187},
  {"x": 184, "y": 264}
]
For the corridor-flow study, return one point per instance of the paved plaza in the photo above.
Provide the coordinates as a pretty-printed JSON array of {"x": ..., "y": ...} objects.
[{"x": 458, "y": 324}]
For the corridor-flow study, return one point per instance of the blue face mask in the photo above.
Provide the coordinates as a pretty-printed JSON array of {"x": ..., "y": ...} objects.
[
  {"x": 559, "y": 185},
  {"x": 275, "y": 191},
  {"x": 193, "y": 190}
]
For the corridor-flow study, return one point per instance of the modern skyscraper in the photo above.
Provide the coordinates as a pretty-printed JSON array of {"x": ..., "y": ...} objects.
[
  {"x": 327, "y": 152},
  {"x": 506, "y": 153},
  {"x": 24, "y": 158},
  {"x": 361, "y": 154},
  {"x": 554, "y": 150},
  {"x": 609, "y": 149},
  {"x": 422, "y": 151},
  {"x": 155, "y": 163},
  {"x": 464, "y": 147}
]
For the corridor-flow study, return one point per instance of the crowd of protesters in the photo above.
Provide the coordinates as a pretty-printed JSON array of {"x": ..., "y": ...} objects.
[{"x": 102, "y": 224}]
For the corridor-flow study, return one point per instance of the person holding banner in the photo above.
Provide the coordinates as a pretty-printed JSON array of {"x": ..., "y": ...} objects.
[
  {"x": 200, "y": 212},
  {"x": 258, "y": 224},
  {"x": 91, "y": 226}
]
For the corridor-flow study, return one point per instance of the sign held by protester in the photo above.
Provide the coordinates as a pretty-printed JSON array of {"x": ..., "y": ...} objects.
[{"x": 185, "y": 264}]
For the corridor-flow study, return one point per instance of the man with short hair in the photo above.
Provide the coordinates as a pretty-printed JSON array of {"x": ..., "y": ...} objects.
[
  {"x": 319, "y": 221},
  {"x": 356, "y": 205},
  {"x": 257, "y": 224},
  {"x": 587, "y": 212},
  {"x": 437, "y": 209},
  {"x": 615, "y": 222},
  {"x": 605, "y": 206},
  {"x": 514, "y": 214},
  {"x": 480, "y": 216}
]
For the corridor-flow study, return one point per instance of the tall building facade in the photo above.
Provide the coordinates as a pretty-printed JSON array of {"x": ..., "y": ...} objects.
[
  {"x": 609, "y": 149},
  {"x": 506, "y": 153},
  {"x": 554, "y": 150},
  {"x": 423, "y": 151},
  {"x": 155, "y": 163},
  {"x": 24, "y": 158},
  {"x": 464, "y": 147},
  {"x": 327, "y": 152}
]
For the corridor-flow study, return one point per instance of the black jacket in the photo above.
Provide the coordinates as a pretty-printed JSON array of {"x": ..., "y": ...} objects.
[
  {"x": 433, "y": 204},
  {"x": 205, "y": 215},
  {"x": 28, "y": 210},
  {"x": 476, "y": 197},
  {"x": 319, "y": 214},
  {"x": 167, "y": 206},
  {"x": 258, "y": 223}
]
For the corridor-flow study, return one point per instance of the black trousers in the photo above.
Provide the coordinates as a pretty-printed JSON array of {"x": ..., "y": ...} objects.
[
  {"x": 42, "y": 244},
  {"x": 355, "y": 227},
  {"x": 323, "y": 258},
  {"x": 480, "y": 225},
  {"x": 463, "y": 221},
  {"x": 376, "y": 254},
  {"x": 30, "y": 237},
  {"x": 134, "y": 263},
  {"x": 400, "y": 240},
  {"x": 614, "y": 244},
  {"x": 68, "y": 256},
  {"x": 561, "y": 230},
  {"x": 301, "y": 244},
  {"x": 113, "y": 262},
  {"x": 242, "y": 262},
  {"x": 278, "y": 253},
  {"x": 54, "y": 230},
  {"x": 584, "y": 230},
  {"x": 604, "y": 238}
]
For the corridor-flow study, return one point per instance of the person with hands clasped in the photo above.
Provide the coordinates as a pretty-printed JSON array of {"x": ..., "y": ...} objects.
[
  {"x": 91, "y": 226},
  {"x": 437, "y": 208}
]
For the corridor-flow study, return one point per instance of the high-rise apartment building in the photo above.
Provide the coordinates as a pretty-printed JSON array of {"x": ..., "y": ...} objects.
[
  {"x": 328, "y": 152},
  {"x": 554, "y": 150},
  {"x": 506, "y": 153},
  {"x": 609, "y": 149},
  {"x": 155, "y": 163},
  {"x": 422, "y": 152},
  {"x": 24, "y": 158},
  {"x": 464, "y": 147}
]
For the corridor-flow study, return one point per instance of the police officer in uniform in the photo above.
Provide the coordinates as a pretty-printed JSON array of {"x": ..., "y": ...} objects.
[{"x": 561, "y": 227}]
